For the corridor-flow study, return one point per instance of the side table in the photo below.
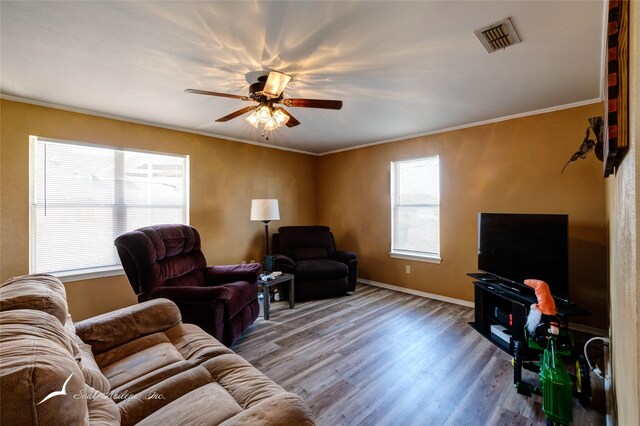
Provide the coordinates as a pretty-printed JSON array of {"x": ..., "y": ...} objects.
[{"x": 278, "y": 280}]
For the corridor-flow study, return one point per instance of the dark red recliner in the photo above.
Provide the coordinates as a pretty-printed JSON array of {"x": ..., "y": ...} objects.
[
  {"x": 166, "y": 261},
  {"x": 309, "y": 253}
]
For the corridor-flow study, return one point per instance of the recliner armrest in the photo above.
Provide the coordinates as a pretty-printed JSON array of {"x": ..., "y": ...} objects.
[
  {"x": 112, "y": 329},
  {"x": 204, "y": 306},
  {"x": 285, "y": 263},
  {"x": 215, "y": 275},
  {"x": 203, "y": 295},
  {"x": 350, "y": 259},
  {"x": 344, "y": 256}
]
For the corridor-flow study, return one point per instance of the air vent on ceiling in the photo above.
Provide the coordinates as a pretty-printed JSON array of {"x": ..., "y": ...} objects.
[{"x": 498, "y": 36}]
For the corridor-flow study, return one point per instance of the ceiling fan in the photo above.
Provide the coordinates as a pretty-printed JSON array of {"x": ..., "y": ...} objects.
[{"x": 267, "y": 92}]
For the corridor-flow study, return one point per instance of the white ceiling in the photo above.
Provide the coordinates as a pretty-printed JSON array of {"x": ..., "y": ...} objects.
[{"x": 401, "y": 68}]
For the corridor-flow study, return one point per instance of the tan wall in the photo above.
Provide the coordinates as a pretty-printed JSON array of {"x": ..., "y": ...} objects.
[
  {"x": 225, "y": 176},
  {"x": 623, "y": 208},
  {"x": 510, "y": 166}
]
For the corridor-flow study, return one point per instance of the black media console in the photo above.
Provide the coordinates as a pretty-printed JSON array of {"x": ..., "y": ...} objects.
[{"x": 501, "y": 310}]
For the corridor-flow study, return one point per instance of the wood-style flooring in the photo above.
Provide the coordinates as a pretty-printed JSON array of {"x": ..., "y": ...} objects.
[{"x": 380, "y": 357}]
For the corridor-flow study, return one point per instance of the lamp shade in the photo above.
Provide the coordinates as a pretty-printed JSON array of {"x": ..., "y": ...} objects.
[{"x": 265, "y": 210}]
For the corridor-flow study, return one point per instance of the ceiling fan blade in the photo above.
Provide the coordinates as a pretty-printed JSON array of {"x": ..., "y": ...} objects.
[
  {"x": 276, "y": 82},
  {"x": 313, "y": 103},
  {"x": 236, "y": 114},
  {"x": 292, "y": 122},
  {"x": 222, "y": 95}
]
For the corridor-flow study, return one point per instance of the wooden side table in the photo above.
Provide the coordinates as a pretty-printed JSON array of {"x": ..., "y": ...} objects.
[{"x": 278, "y": 280}]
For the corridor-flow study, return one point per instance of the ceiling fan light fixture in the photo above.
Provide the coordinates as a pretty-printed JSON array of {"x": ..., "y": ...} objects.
[
  {"x": 271, "y": 124},
  {"x": 276, "y": 82},
  {"x": 280, "y": 117},
  {"x": 253, "y": 119},
  {"x": 264, "y": 114}
]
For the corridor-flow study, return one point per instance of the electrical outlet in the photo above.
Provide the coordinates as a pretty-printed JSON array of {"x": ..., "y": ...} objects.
[
  {"x": 252, "y": 261},
  {"x": 407, "y": 269},
  {"x": 244, "y": 262}
]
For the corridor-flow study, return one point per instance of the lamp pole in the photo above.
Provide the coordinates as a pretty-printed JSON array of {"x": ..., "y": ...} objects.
[{"x": 266, "y": 236}]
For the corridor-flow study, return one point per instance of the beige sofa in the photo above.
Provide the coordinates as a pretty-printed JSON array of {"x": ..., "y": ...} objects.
[{"x": 137, "y": 365}]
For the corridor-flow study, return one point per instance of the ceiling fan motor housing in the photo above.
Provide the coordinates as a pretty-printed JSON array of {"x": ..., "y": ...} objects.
[{"x": 257, "y": 87}]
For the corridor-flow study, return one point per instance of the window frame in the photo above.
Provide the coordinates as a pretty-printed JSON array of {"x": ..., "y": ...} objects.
[
  {"x": 420, "y": 256},
  {"x": 95, "y": 272}
]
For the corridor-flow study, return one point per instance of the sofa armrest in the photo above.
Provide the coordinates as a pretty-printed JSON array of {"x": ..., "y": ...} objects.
[
  {"x": 344, "y": 256},
  {"x": 283, "y": 409},
  {"x": 215, "y": 275},
  {"x": 203, "y": 306},
  {"x": 112, "y": 329}
]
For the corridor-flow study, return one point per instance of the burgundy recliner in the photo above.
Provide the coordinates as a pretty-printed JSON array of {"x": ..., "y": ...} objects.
[
  {"x": 166, "y": 261},
  {"x": 309, "y": 253}
]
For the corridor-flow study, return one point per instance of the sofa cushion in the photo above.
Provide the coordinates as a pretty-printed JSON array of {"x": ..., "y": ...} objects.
[
  {"x": 36, "y": 361},
  {"x": 90, "y": 370},
  {"x": 143, "y": 362},
  {"x": 320, "y": 269},
  {"x": 70, "y": 329},
  {"x": 229, "y": 384},
  {"x": 187, "y": 409},
  {"x": 23, "y": 324},
  {"x": 102, "y": 410},
  {"x": 39, "y": 292}
]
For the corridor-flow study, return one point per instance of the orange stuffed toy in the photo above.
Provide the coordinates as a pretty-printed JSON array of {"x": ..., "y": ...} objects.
[{"x": 545, "y": 306}]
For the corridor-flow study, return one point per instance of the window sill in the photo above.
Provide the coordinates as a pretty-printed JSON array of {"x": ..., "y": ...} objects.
[
  {"x": 419, "y": 258},
  {"x": 89, "y": 274}
]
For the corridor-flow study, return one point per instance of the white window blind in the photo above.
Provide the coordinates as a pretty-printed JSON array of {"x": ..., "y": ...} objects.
[
  {"x": 84, "y": 196},
  {"x": 415, "y": 207}
]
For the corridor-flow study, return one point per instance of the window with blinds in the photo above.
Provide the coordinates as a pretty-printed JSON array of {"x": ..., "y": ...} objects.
[
  {"x": 415, "y": 208},
  {"x": 83, "y": 196}
]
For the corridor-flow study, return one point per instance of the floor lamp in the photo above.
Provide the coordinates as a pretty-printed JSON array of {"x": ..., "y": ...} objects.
[{"x": 265, "y": 210}]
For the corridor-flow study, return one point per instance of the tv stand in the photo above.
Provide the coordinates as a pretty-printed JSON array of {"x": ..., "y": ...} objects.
[
  {"x": 500, "y": 304},
  {"x": 486, "y": 277},
  {"x": 483, "y": 276}
]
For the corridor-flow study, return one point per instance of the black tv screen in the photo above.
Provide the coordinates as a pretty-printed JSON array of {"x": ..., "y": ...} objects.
[{"x": 516, "y": 247}]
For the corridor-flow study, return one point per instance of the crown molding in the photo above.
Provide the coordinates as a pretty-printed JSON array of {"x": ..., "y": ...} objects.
[
  {"x": 298, "y": 151},
  {"x": 149, "y": 123},
  {"x": 466, "y": 126}
]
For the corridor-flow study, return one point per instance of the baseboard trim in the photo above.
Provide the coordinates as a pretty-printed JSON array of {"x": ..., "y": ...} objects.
[{"x": 418, "y": 293}]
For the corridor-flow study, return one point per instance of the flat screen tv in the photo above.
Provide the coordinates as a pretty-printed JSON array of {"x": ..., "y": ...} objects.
[{"x": 516, "y": 247}]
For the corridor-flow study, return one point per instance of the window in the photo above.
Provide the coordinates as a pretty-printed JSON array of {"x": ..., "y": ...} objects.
[
  {"x": 84, "y": 196},
  {"x": 415, "y": 209}
]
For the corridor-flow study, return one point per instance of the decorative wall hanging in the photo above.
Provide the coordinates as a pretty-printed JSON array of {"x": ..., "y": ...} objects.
[
  {"x": 616, "y": 138},
  {"x": 588, "y": 144}
]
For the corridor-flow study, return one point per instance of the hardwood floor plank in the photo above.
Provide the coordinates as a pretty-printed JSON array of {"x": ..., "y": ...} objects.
[{"x": 380, "y": 357}]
